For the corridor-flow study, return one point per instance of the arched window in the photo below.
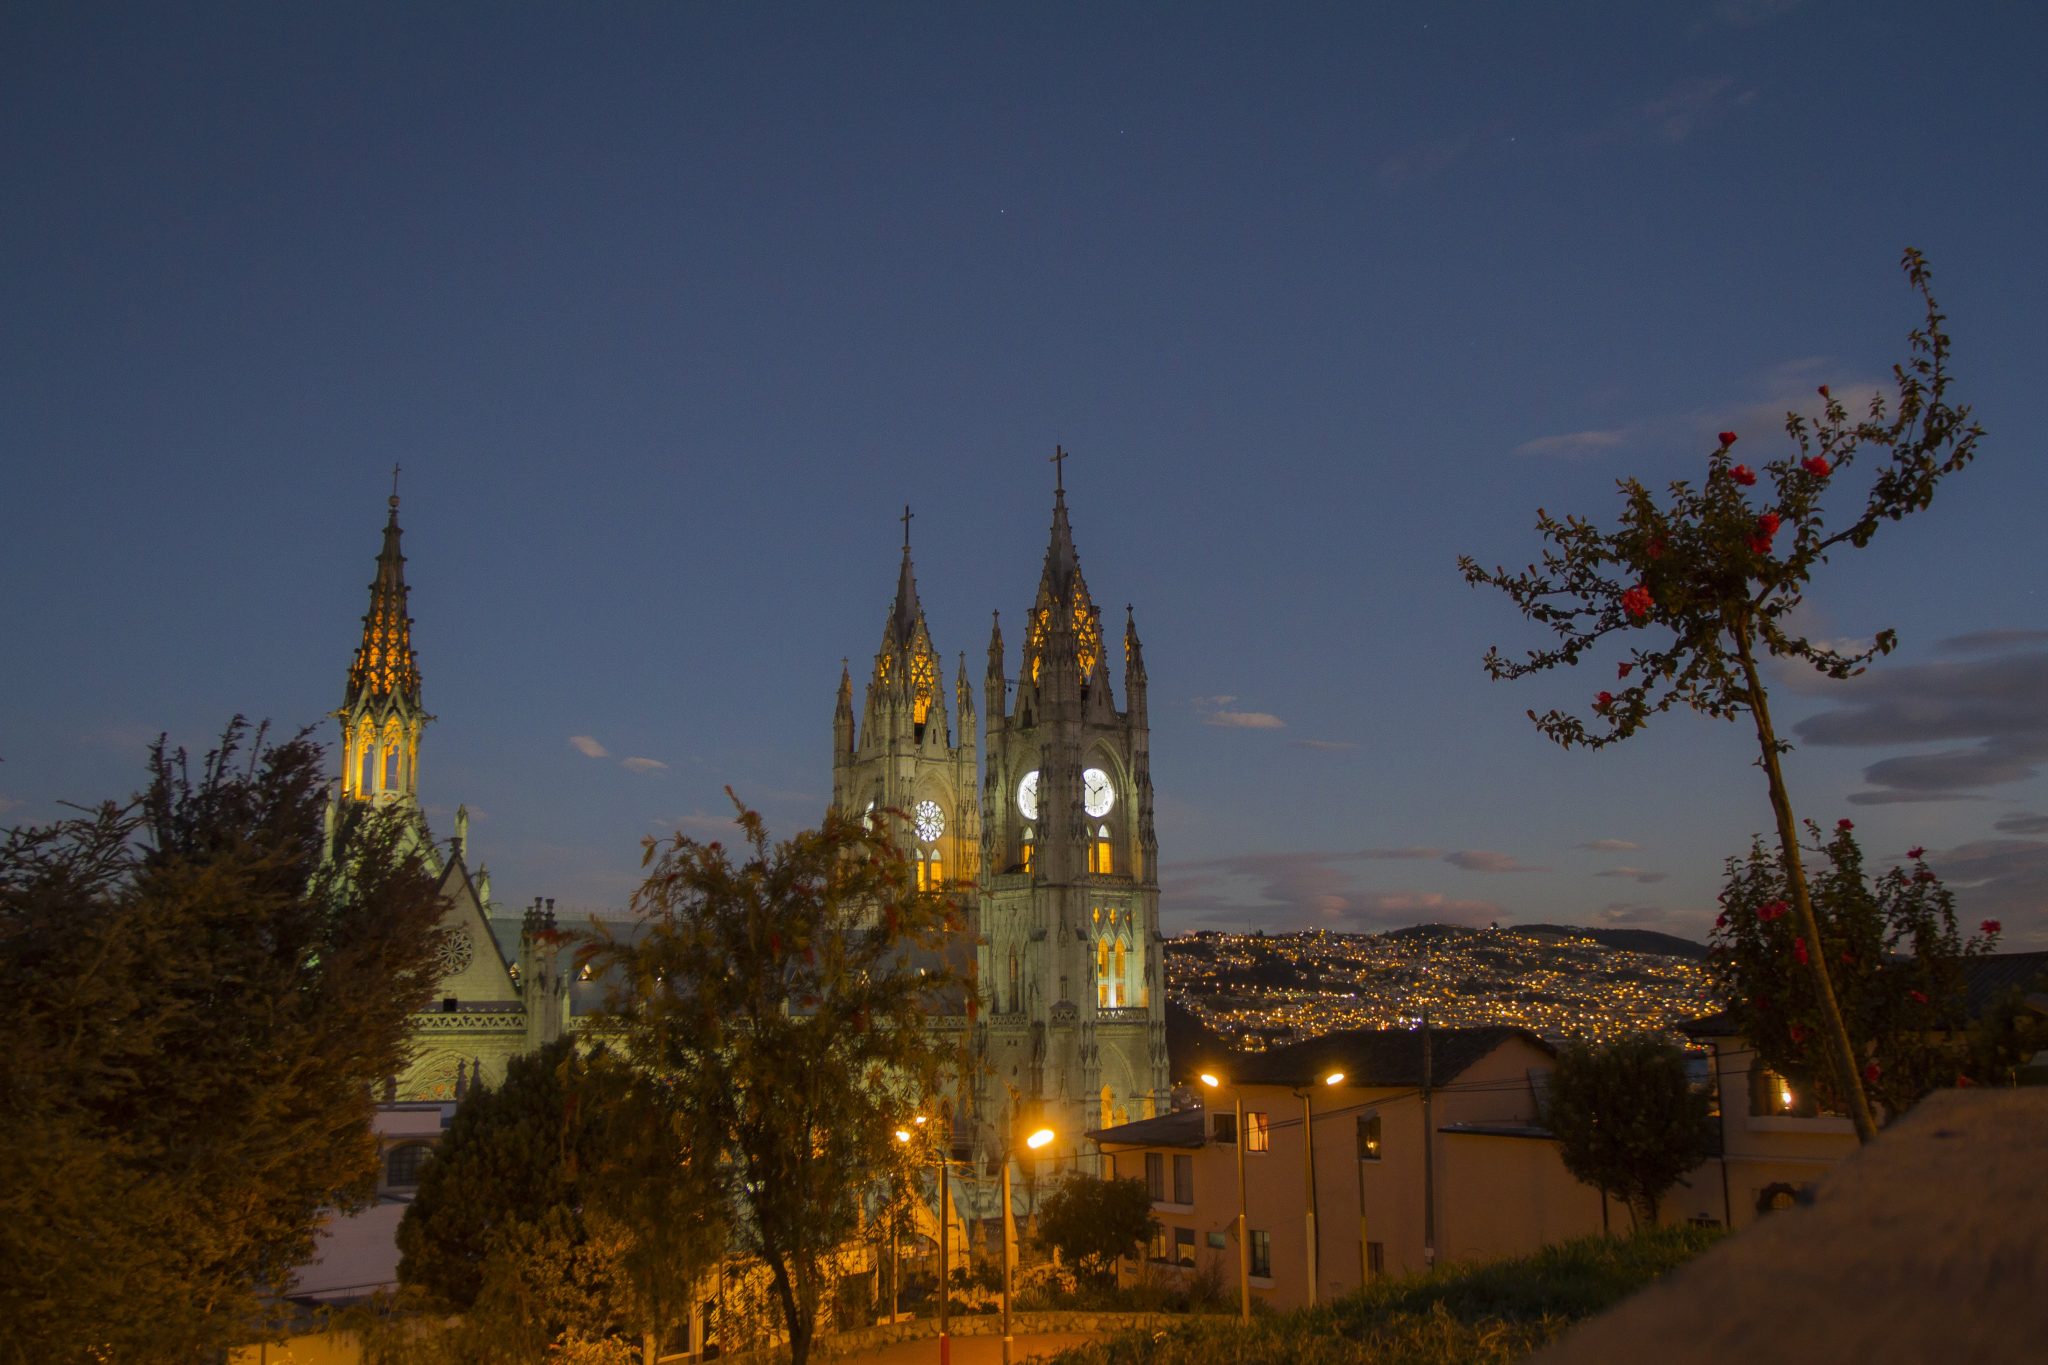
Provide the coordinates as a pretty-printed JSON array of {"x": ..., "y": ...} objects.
[
  {"x": 924, "y": 875},
  {"x": 1013, "y": 1004},
  {"x": 937, "y": 876},
  {"x": 1108, "y": 1108},
  {"x": 1028, "y": 837},
  {"x": 1099, "y": 860}
]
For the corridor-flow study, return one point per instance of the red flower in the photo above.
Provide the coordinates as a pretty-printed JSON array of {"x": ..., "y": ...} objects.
[
  {"x": 1603, "y": 701},
  {"x": 1963, "y": 1082},
  {"x": 1766, "y": 527},
  {"x": 1637, "y": 602},
  {"x": 1622, "y": 670},
  {"x": 1742, "y": 473},
  {"x": 1914, "y": 852},
  {"x": 1823, "y": 390},
  {"x": 1655, "y": 549},
  {"x": 1848, "y": 957},
  {"x": 1871, "y": 1073},
  {"x": 1727, "y": 438},
  {"x": 775, "y": 943},
  {"x": 1772, "y": 911},
  {"x": 1845, "y": 824},
  {"x": 1919, "y": 997},
  {"x": 1721, "y": 921},
  {"x": 1817, "y": 465},
  {"x": 1798, "y": 1033},
  {"x": 1799, "y": 951},
  {"x": 1990, "y": 926},
  {"x": 1762, "y": 1002}
]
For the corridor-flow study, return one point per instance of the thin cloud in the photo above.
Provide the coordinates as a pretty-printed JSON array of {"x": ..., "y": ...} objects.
[
  {"x": 8, "y": 803},
  {"x": 588, "y": 747},
  {"x": 1308, "y": 888},
  {"x": 1609, "y": 846},
  {"x": 1635, "y": 874},
  {"x": 1325, "y": 745},
  {"x": 1575, "y": 444},
  {"x": 1392, "y": 854},
  {"x": 643, "y": 765},
  {"x": 1485, "y": 860},
  {"x": 2023, "y": 823},
  {"x": 1994, "y": 698},
  {"x": 1621, "y": 913},
  {"x": 2001, "y": 879},
  {"x": 1217, "y": 711},
  {"x": 1245, "y": 720},
  {"x": 1685, "y": 108}
]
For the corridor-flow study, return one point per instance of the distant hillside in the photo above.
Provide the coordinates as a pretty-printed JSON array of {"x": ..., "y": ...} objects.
[
  {"x": 1630, "y": 940},
  {"x": 1559, "y": 980}
]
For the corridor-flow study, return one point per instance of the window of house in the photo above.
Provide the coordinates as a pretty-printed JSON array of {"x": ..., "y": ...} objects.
[
  {"x": 1157, "y": 1250},
  {"x": 1219, "y": 1241},
  {"x": 1258, "y": 1132},
  {"x": 402, "y": 1168},
  {"x": 1226, "y": 1128},
  {"x": 1262, "y": 1253},
  {"x": 1184, "y": 1246},
  {"x": 1368, "y": 1137},
  {"x": 1774, "y": 1096},
  {"x": 1183, "y": 1180},
  {"x": 1155, "y": 1177}
]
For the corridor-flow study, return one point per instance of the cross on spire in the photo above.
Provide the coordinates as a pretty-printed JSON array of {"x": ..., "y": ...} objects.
[
  {"x": 905, "y": 519},
  {"x": 394, "y": 485},
  {"x": 1058, "y": 458}
]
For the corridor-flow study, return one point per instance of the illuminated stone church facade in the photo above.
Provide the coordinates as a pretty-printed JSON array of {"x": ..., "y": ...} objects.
[{"x": 1042, "y": 826}]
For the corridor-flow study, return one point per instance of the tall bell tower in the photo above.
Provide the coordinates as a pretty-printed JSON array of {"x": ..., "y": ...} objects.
[
  {"x": 1070, "y": 958},
  {"x": 903, "y": 762},
  {"x": 381, "y": 716}
]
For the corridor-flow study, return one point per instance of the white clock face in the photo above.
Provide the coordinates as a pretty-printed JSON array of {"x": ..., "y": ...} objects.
[
  {"x": 1027, "y": 795},
  {"x": 1097, "y": 796},
  {"x": 931, "y": 821}
]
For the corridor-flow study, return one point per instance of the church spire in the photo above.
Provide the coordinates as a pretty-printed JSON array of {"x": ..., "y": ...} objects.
[
  {"x": 381, "y": 716},
  {"x": 905, "y": 616},
  {"x": 1063, "y": 612},
  {"x": 385, "y": 662}
]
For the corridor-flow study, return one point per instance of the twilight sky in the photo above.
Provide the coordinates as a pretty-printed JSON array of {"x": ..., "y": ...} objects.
[{"x": 668, "y": 310}]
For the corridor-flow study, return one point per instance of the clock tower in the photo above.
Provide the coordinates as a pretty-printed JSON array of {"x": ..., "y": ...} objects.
[
  {"x": 1070, "y": 964},
  {"x": 902, "y": 763}
]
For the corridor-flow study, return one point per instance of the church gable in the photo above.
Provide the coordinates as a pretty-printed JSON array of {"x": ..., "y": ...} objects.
[{"x": 472, "y": 970}]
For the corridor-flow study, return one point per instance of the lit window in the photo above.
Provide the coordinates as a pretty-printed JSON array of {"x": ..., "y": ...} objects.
[
  {"x": 1184, "y": 1246},
  {"x": 1258, "y": 1132},
  {"x": 1262, "y": 1254},
  {"x": 1027, "y": 849},
  {"x": 1368, "y": 1137}
]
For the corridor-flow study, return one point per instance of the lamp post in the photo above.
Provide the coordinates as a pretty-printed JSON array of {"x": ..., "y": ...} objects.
[
  {"x": 1308, "y": 1158},
  {"x": 1035, "y": 1141},
  {"x": 1244, "y": 1249}
]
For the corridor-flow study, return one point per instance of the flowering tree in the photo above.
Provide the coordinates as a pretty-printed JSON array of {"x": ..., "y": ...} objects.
[
  {"x": 1894, "y": 957},
  {"x": 1696, "y": 587}
]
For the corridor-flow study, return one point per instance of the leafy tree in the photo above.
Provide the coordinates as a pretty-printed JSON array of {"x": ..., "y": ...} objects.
[
  {"x": 783, "y": 996},
  {"x": 507, "y": 1159},
  {"x": 1092, "y": 1222},
  {"x": 201, "y": 1005},
  {"x": 1628, "y": 1119},
  {"x": 1894, "y": 954},
  {"x": 1698, "y": 587}
]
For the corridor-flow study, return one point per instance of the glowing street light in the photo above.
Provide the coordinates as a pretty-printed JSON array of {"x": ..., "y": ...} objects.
[
  {"x": 1034, "y": 1142},
  {"x": 1244, "y": 1249}
]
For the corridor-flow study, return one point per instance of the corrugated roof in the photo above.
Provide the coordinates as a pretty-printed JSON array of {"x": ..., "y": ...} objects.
[{"x": 1182, "y": 1128}]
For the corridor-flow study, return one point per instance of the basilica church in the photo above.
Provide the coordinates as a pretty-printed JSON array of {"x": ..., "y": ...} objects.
[{"x": 1039, "y": 819}]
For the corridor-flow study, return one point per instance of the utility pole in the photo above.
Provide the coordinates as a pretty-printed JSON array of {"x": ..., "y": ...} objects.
[
  {"x": 1428, "y": 1153},
  {"x": 945, "y": 1263}
]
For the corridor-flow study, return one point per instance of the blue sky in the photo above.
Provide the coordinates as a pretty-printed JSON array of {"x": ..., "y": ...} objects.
[{"x": 668, "y": 310}]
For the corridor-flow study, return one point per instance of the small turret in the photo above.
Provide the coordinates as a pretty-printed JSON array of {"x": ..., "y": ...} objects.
[{"x": 381, "y": 716}]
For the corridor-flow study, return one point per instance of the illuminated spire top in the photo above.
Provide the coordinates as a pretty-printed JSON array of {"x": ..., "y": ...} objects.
[
  {"x": 906, "y": 658},
  {"x": 1063, "y": 603},
  {"x": 907, "y": 614},
  {"x": 384, "y": 664}
]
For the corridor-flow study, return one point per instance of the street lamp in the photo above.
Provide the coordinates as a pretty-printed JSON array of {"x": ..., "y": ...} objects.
[
  {"x": 1244, "y": 1249},
  {"x": 1308, "y": 1150},
  {"x": 1034, "y": 1142}
]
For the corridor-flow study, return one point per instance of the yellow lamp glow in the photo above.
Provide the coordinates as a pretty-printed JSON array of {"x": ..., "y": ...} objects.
[
  {"x": 903, "y": 1135},
  {"x": 1039, "y": 1138},
  {"x": 1333, "y": 1078},
  {"x": 1211, "y": 1081}
]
